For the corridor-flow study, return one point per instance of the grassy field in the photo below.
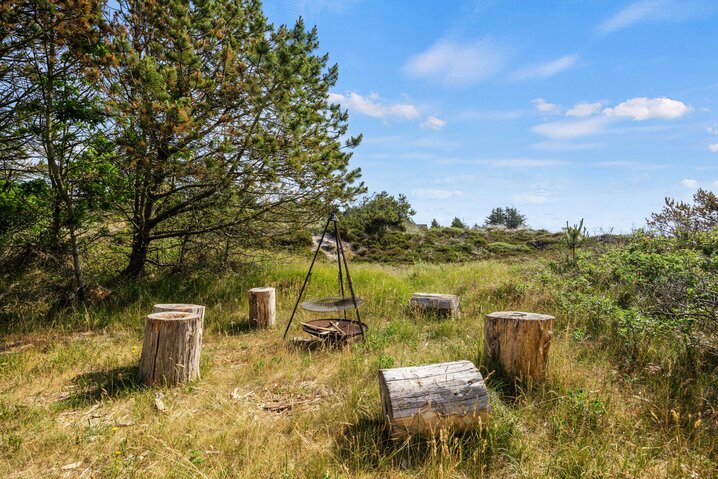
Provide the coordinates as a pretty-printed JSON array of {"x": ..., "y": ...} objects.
[{"x": 70, "y": 405}]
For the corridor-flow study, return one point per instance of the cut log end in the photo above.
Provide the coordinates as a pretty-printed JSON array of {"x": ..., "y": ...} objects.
[
  {"x": 182, "y": 307},
  {"x": 425, "y": 399},
  {"x": 519, "y": 315}
]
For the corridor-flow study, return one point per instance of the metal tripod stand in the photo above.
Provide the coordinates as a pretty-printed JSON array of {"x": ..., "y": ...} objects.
[{"x": 332, "y": 304}]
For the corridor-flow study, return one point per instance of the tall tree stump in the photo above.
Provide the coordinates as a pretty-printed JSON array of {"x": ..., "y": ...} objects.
[
  {"x": 186, "y": 308},
  {"x": 171, "y": 348},
  {"x": 424, "y": 399},
  {"x": 518, "y": 343},
  {"x": 440, "y": 304},
  {"x": 262, "y": 307}
]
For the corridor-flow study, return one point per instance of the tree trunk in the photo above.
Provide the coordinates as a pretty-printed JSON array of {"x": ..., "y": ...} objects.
[
  {"x": 427, "y": 398},
  {"x": 518, "y": 343},
  {"x": 138, "y": 256},
  {"x": 171, "y": 348},
  {"x": 262, "y": 307},
  {"x": 56, "y": 225},
  {"x": 439, "y": 304},
  {"x": 183, "y": 250},
  {"x": 76, "y": 264}
]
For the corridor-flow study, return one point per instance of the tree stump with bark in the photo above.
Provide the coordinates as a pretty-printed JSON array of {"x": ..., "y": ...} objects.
[
  {"x": 518, "y": 343},
  {"x": 186, "y": 308},
  {"x": 424, "y": 399},
  {"x": 446, "y": 305},
  {"x": 171, "y": 348},
  {"x": 262, "y": 307}
]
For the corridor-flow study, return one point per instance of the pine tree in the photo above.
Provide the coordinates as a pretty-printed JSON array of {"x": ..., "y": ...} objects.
[
  {"x": 574, "y": 236},
  {"x": 497, "y": 217},
  {"x": 60, "y": 114},
  {"x": 457, "y": 223},
  {"x": 435, "y": 224},
  {"x": 513, "y": 218},
  {"x": 222, "y": 123}
]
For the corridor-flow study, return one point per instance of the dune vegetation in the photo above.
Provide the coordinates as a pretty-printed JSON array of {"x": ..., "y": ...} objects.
[{"x": 71, "y": 404}]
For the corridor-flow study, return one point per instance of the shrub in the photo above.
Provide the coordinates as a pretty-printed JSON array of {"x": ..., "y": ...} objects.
[
  {"x": 375, "y": 215},
  {"x": 502, "y": 248},
  {"x": 680, "y": 220},
  {"x": 457, "y": 223},
  {"x": 652, "y": 300}
]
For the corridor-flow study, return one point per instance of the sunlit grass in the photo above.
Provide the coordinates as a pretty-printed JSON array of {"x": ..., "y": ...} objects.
[{"x": 68, "y": 396}]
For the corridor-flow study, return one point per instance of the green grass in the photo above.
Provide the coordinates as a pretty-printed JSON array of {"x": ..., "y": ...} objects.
[{"x": 68, "y": 392}]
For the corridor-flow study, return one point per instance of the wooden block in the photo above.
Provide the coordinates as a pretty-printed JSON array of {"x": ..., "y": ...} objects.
[
  {"x": 198, "y": 309},
  {"x": 262, "y": 307},
  {"x": 442, "y": 304},
  {"x": 424, "y": 399},
  {"x": 517, "y": 343},
  {"x": 171, "y": 348}
]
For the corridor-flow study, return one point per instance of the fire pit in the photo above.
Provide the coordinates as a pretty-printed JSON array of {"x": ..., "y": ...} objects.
[{"x": 335, "y": 330}]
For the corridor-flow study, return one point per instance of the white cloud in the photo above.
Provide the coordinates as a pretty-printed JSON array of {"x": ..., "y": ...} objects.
[
  {"x": 656, "y": 11},
  {"x": 713, "y": 147},
  {"x": 646, "y": 108},
  {"x": 584, "y": 109},
  {"x": 566, "y": 129},
  {"x": 458, "y": 64},
  {"x": 635, "y": 13},
  {"x": 688, "y": 183},
  {"x": 433, "y": 123},
  {"x": 583, "y": 124},
  {"x": 630, "y": 165},
  {"x": 372, "y": 105},
  {"x": 534, "y": 198},
  {"x": 431, "y": 194},
  {"x": 545, "y": 107},
  {"x": 545, "y": 70}
]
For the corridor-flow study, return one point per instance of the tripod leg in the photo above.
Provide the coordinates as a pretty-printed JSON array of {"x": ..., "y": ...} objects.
[
  {"x": 306, "y": 279},
  {"x": 340, "y": 252},
  {"x": 351, "y": 286}
]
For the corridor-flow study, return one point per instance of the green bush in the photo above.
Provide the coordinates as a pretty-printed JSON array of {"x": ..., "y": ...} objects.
[
  {"x": 375, "y": 215},
  {"x": 648, "y": 300},
  {"x": 502, "y": 248},
  {"x": 297, "y": 239}
]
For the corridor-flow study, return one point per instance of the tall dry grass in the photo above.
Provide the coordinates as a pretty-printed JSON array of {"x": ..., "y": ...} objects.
[{"x": 70, "y": 405}]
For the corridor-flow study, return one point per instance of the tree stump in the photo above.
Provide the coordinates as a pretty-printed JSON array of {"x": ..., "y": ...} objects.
[
  {"x": 262, "y": 307},
  {"x": 439, "y": 304},
  {"x": 171, "y": 348},
  {"x": 424, "y": 399},
  {"x": 518, "y": 343},
  {"x": 186, "y": 308}
]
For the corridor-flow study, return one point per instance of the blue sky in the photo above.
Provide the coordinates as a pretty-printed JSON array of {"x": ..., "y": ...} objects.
[{"x": 565, "y": 109}]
